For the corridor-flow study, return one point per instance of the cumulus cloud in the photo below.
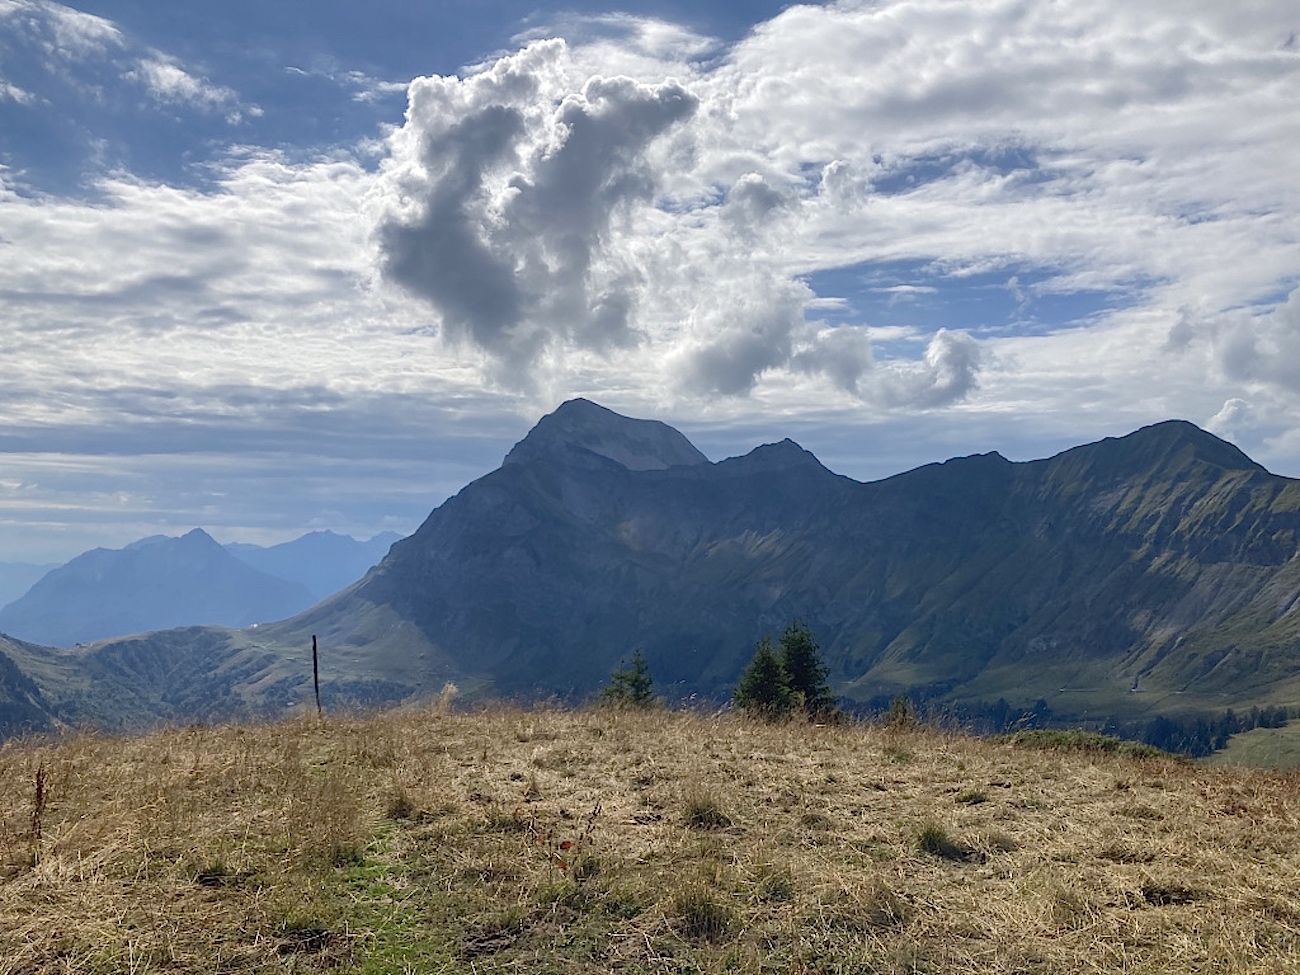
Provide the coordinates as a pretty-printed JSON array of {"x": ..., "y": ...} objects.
[
  {"x": 544, "y": 212},
  {"x": 947, "y": 373},
  {"x": 1091, "y": 151},
  {"x": 512, "y": 187},
  {"x": 1230, "y": 421}
]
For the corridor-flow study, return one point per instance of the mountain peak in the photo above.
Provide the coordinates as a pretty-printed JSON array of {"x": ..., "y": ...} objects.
[
  {"x": 1180, "y": 435},
  {"x": 638, "y": 445},
  {"x": 783, "y": 455}
]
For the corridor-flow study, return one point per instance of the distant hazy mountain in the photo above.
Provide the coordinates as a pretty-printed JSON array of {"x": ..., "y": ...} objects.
[
  {"x": 1154, "y": 573},
  {"x": 153, "y": 584},
  {"x": 17, "y": 577},
  {"x": 323, "y": 562}
]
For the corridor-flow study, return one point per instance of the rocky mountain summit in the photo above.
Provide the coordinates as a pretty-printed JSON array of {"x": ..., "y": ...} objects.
[{"x": 581, "y": 425}]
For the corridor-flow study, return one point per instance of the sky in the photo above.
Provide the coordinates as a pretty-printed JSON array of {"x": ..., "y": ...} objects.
[{"x": 268, "y": 268}]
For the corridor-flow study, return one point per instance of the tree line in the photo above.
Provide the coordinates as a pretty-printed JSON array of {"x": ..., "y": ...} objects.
[
  {"x": 788, "y": 678},
  {"x": 782, "y": 680}
]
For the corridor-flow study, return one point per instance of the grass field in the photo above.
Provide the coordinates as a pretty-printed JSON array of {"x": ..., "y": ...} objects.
[
  {"x": 598, "y": 841},
  {"x": 1277, "y": 748}
]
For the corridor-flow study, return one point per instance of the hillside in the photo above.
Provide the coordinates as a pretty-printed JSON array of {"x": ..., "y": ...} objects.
[
  {"x": 604, "y": 841},
  {"x": 17, "y": 577},
  {"x": 23, "y": 709}
]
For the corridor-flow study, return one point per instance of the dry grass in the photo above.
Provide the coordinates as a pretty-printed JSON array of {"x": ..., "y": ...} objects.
[{"x": 623, "y": 841}]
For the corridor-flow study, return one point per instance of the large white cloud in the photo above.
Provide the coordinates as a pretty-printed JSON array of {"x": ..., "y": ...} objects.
[{"x": 508, "y": 190}]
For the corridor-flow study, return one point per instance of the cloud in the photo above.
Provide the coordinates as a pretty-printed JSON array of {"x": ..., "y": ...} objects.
[
  {"x": 67, "y": 34},
  {"x": 528, "y": 204},
  {"x": 171, "y": 84},
  {"x": 50, "y": 43},
  {"x": 1235, "y": 415},
  {"x": 1260, "y": 345},
  {"x": 946, "y": 374},
  {"x": 1078, "y": 151},
  {"x": 843, "y": 354},
  {"x": 511, "y": 186}
]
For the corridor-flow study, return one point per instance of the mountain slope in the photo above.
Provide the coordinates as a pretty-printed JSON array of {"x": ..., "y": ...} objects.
[
  {"x": 17, "y": 577},
  {"x": 323, "y": 562},
  {"x": 153, "y": 584},
  {"x": 23, "y": 708},
  {"x": 638, "y": 445}
]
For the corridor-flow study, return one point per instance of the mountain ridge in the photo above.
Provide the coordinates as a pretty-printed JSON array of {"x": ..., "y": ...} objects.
[{"x": 1151, "y": 573}]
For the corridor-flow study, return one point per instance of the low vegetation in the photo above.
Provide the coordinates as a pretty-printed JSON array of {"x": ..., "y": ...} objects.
[{"x": 637, "y": 841}]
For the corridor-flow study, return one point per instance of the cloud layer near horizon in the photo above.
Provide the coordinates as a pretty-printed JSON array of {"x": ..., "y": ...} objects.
[{"x": 1037, "y": 223}]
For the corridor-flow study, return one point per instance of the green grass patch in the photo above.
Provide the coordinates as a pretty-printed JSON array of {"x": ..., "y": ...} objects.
[{"x": 1083, "y": 741}]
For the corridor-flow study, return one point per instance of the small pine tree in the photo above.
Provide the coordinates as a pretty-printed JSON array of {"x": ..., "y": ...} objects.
[
  {"x": 632, "y": 686},
  {"x": 764, "y": 688},
  {"x": 805, "y": 673},
  {"x": 901, "y": 714}
]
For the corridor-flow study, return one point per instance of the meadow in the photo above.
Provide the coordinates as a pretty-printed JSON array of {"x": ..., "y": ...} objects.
[{"x": 604, "y": 840}]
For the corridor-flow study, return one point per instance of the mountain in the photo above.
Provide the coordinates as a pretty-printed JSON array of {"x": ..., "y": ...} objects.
[
  {"x": 1155, "y": 573},
  {"x": 1156, "y": 570},
  {"x": 581, "y": 425},
  {"x": 152, "y": 584},
  {"x": 17, "y": 577},
  {"x": 323, "y": 562}
]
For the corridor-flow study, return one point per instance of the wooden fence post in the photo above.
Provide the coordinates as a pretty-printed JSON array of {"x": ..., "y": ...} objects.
[{"x": 315, "y": 673}]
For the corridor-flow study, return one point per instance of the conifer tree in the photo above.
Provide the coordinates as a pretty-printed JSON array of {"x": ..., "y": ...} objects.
[
  {"x": 804, "y": 671},
  {"x": 764, "y": 688},
  {"x": 632, "y": 686}
]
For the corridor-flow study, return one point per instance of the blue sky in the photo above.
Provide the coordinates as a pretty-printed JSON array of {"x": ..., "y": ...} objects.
[{"x": 268, "y": 268}]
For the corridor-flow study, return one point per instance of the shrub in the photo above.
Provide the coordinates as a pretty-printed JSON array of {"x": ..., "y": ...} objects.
[
  {"x": 703, "y": 810},
  {"x": 900, "y": 713},
  {"x": 703, "y": 918},
  {"x": 1087, "y": 741}
]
